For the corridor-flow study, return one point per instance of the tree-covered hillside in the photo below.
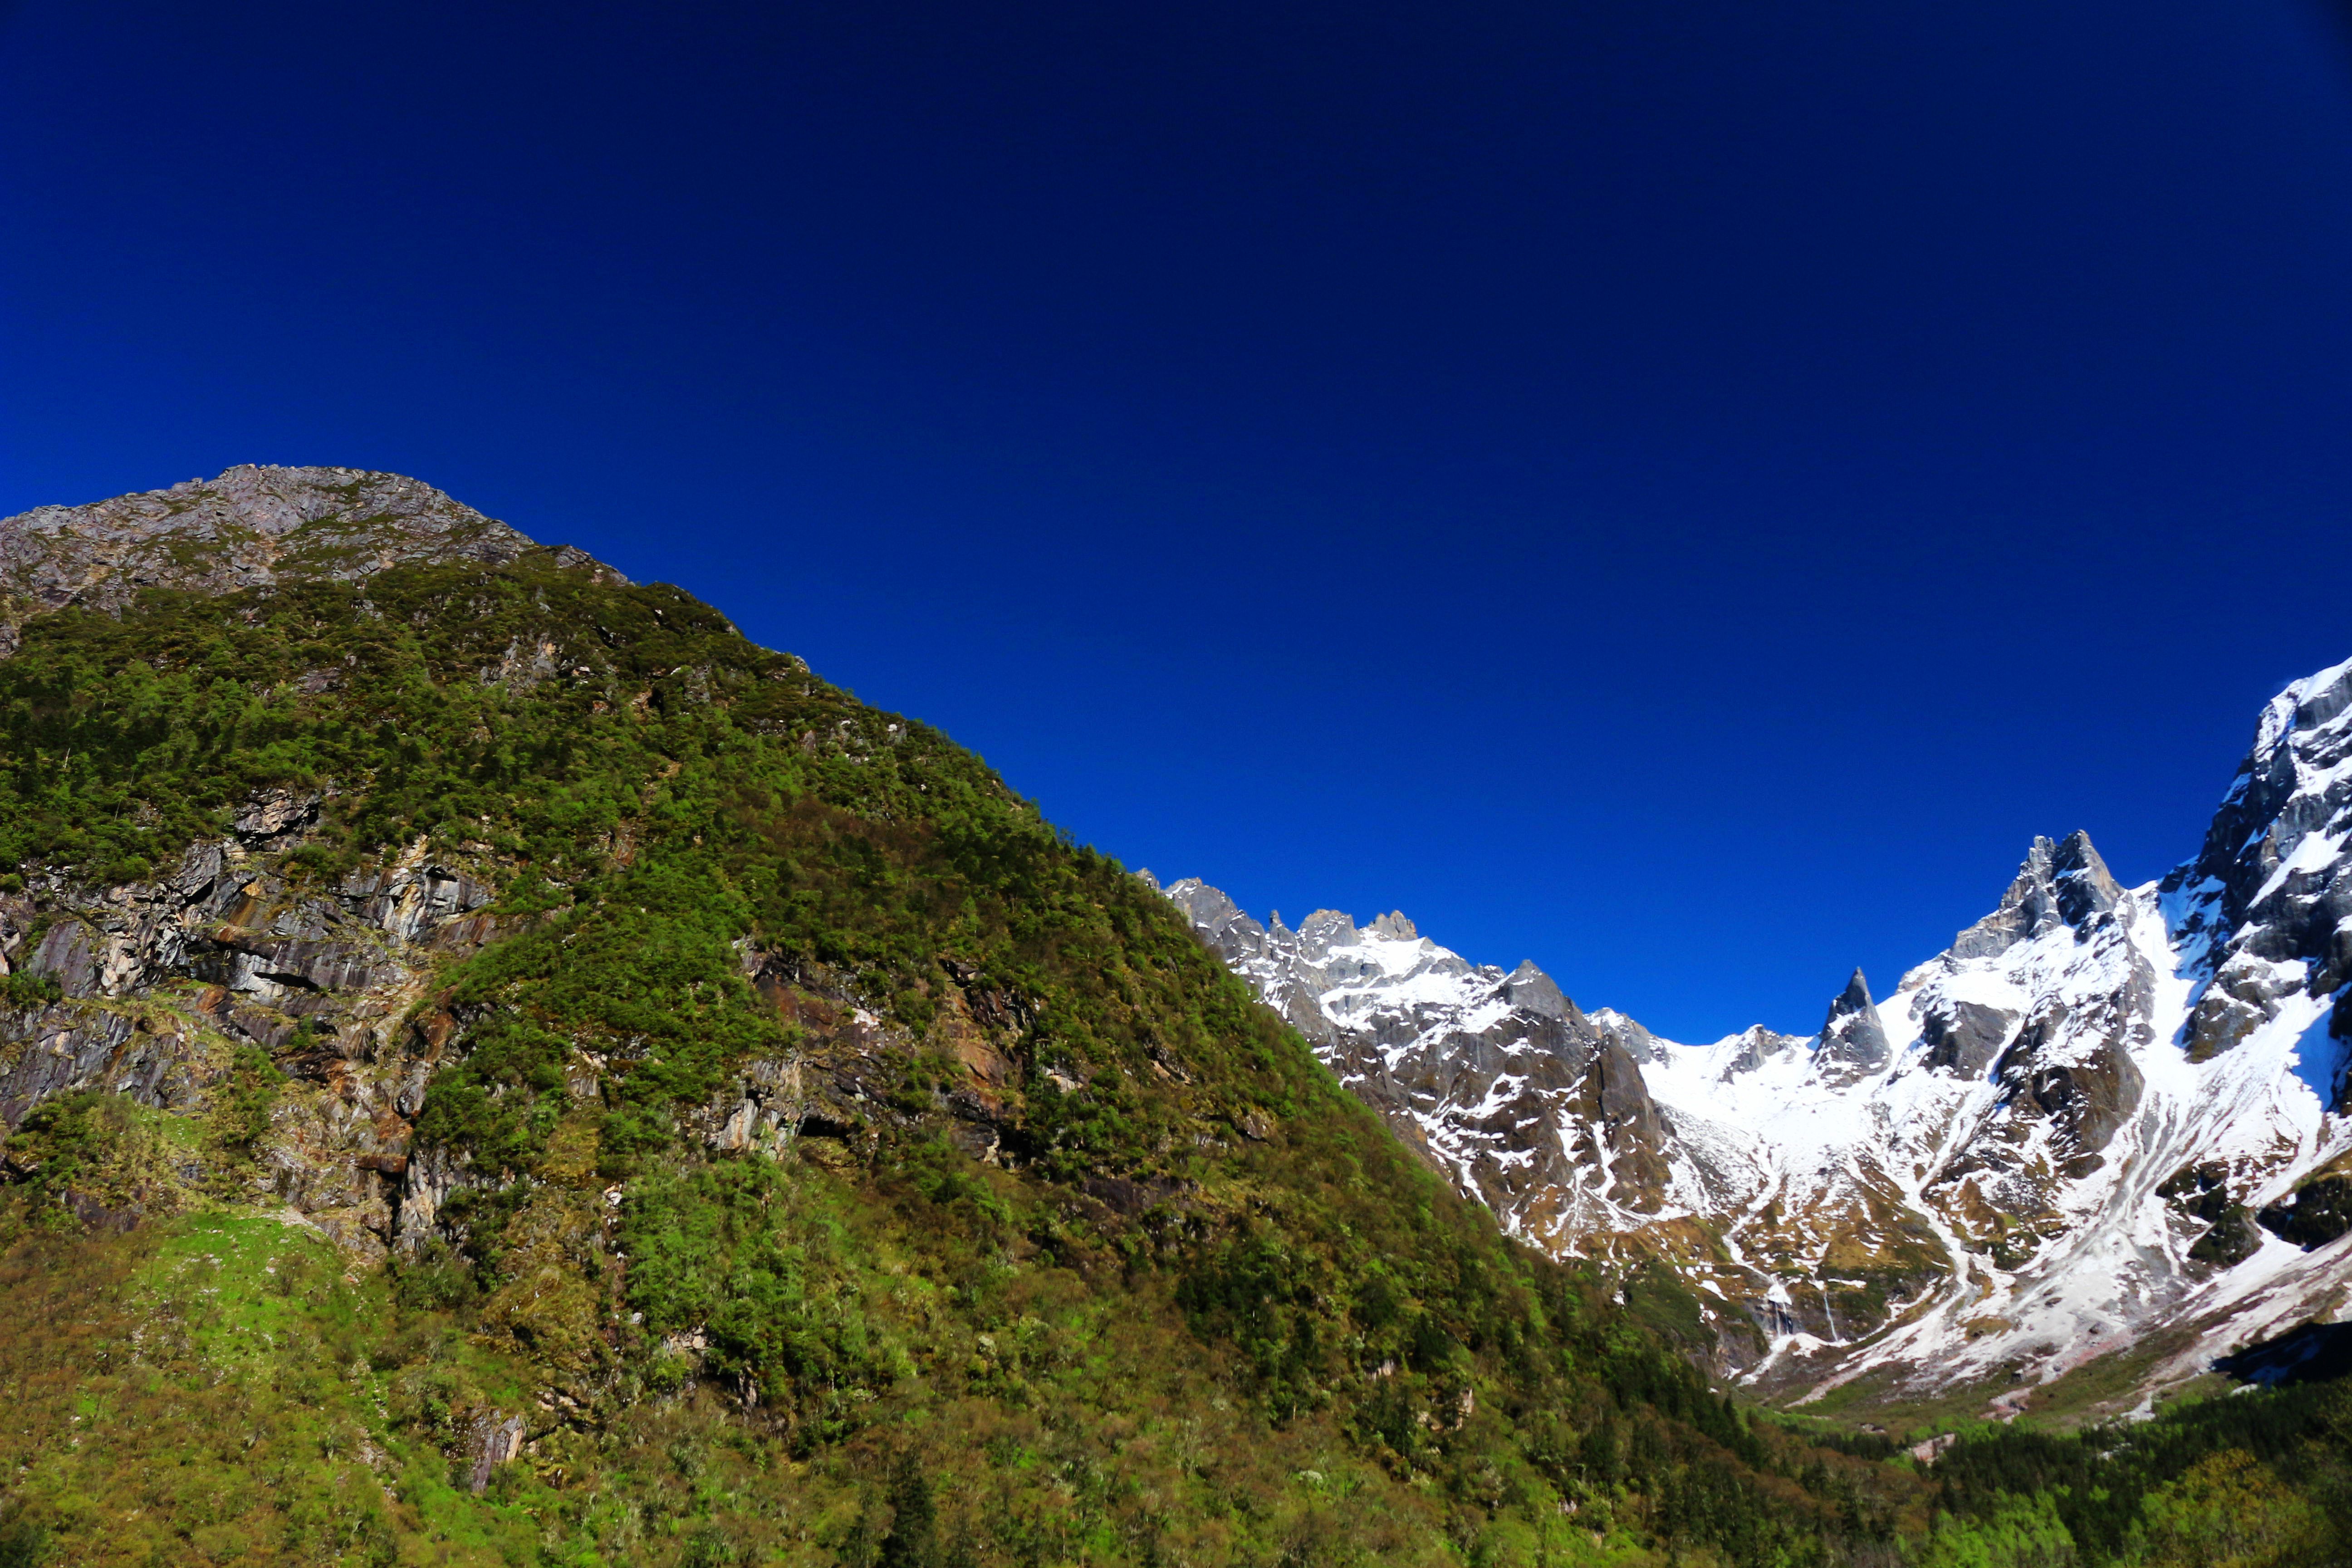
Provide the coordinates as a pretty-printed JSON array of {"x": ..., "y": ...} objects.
[{"x": 500, "y": 1070}]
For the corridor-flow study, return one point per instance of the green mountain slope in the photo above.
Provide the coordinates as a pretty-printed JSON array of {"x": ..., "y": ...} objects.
[
  {"x": 501, "y": 1069},
  {"x": 787, "y": 1146}
]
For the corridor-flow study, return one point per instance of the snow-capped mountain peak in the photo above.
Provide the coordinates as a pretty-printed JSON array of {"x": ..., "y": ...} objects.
[{"x": 2101, "y": 1112}]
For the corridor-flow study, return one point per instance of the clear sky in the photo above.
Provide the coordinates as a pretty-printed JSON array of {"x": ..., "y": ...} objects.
[{"x": 1680, "y": 492}]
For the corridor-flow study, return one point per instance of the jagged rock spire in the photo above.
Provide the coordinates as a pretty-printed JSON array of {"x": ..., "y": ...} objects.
[
  {"x": 2086, "y": 889},
  {"x": 2059, "y": 884},
  {"x": 1853, "y": 1036}
]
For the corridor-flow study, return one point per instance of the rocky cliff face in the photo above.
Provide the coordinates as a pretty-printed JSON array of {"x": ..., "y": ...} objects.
[
  {"x": 158, "y": 983},
  {"x": 2105, "y": 1117}
]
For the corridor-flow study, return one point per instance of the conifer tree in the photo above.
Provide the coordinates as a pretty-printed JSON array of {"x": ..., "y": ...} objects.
[{"x": 913, "y": 1541}]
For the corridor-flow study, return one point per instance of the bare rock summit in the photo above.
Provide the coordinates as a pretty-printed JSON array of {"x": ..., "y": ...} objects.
[{"x": 252, "y": 525}]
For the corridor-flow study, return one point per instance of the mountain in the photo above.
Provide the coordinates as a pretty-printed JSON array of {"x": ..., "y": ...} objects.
[
  {"x": 498, "y": 1067},
  {"x": 2106, "y": 1125}
]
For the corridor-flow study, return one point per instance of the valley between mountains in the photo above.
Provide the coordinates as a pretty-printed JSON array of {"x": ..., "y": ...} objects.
[
  {"x": 498, "y": 1068},
  {"x": 2106, "y": 1125}
]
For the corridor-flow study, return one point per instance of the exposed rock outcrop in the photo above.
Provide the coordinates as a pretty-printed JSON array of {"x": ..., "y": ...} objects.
[
  {"x": 1853, "y": 1040},
  {"x": 161, "y": 979}
]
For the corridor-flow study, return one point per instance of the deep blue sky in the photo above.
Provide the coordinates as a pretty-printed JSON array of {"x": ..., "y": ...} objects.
[{"x": 1679, "y": 492}]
